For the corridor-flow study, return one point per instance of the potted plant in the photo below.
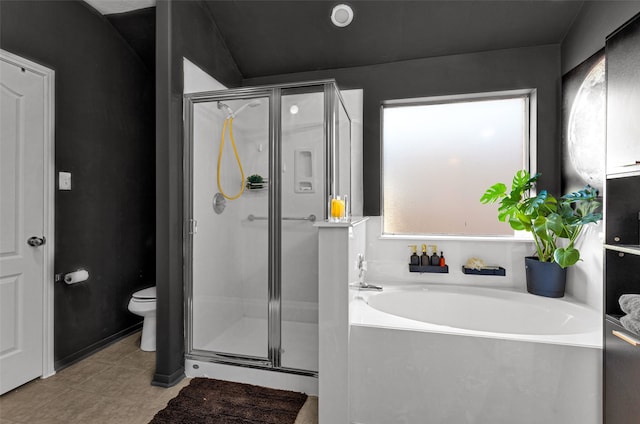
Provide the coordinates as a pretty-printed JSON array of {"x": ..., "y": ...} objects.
[{"x": 555, "y": 224}]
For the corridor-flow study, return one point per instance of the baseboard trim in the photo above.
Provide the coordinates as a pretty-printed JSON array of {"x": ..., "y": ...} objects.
[
  {"x": 166, "y": 381},
  {"x": 63, "y": 363}
]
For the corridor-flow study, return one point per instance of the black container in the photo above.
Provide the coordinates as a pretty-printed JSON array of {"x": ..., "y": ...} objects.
[{"x": 545, "y": 278}]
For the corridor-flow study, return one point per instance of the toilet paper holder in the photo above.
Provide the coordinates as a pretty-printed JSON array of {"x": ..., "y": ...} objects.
[{"x": 73, "y": 277}]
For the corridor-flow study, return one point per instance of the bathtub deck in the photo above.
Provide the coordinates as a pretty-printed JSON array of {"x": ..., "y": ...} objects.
[
  {"x": 586, "y": 333},
  {"x": 433, "y": 366}
]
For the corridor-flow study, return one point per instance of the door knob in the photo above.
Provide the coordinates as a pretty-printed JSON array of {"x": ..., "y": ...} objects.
[{"x": 36, "y": 241}]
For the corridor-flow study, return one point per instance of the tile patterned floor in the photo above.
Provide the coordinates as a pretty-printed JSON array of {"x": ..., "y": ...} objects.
[{"x": 111, "y": 386}]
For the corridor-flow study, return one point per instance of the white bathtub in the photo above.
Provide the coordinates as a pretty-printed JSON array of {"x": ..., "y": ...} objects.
[
  {"x": 481, "y": 312},
  {"x": 455, "y": 354}
]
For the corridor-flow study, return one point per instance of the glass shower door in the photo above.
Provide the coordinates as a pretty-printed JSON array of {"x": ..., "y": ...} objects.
[
  {"x": 303, "y": 197},
  {"x": 343, "y": 150},
  {"x": 230, "y": 240},
  {"x": 260, "y": 164}
]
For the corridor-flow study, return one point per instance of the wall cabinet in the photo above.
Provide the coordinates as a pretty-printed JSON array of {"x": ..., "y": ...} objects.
[{"x": 622, "y": 223}]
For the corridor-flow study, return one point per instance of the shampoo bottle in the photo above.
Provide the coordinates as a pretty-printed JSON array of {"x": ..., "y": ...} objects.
[
  {"x": 424, "y": 258},
  {"x": 414, "y": 259},
  {"x": 442, "y": 262},
  {"x": 435, "y": 259}
]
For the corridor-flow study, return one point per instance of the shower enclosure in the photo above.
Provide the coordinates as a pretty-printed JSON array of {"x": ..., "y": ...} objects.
[{"x": 260, "y": 164}]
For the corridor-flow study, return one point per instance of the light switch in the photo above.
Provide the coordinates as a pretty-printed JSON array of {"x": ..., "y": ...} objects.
[{"x": 64, "y": 180}]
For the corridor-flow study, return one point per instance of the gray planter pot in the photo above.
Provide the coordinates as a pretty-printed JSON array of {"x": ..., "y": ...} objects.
[{"x": 545, "y": 278}]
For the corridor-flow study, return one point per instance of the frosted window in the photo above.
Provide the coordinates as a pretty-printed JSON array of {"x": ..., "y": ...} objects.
[{"x": 439, "y": 158}]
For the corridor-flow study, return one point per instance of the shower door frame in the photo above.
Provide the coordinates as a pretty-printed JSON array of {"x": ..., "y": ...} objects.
[{"x": 274, "y": 307}]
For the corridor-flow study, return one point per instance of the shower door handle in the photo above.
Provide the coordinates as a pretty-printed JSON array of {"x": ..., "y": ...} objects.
[
  {"x": 627, "y": 338},
  {"x": 193, "y": 226}
]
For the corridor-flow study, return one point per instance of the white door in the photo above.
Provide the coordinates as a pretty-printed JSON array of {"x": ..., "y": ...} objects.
[{"x": 22, "y": 228}]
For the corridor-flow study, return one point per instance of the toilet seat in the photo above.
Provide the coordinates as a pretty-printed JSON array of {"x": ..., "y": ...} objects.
[{"x": 145, "y": 295}]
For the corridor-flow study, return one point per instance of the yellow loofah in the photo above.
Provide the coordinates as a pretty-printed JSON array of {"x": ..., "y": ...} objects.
[{"x": 475, "y": 263}]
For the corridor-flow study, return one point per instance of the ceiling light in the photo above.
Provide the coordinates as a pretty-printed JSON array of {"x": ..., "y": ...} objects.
[
  {"x": 294, "y": 109},
  {"x": 341, "y": 15}
]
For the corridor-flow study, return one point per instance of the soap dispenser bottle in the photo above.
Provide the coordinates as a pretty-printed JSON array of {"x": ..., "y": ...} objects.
[
  {"x": 435, "y": 259},
  {"x": 442, "y": 261},
  {"x": 424, "y": 258},
  {"x": 414, "y": 259}
]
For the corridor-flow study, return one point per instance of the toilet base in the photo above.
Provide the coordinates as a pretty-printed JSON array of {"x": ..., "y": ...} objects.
[{"x": 148, "y": 340}]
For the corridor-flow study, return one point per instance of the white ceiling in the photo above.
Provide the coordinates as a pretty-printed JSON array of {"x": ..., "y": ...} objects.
[{"x": 107, "y": 7}]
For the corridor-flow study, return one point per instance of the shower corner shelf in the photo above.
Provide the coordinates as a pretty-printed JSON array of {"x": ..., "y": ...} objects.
[
  {"x": 257, "y": 187},
  {"x": 429, "y": 268}
]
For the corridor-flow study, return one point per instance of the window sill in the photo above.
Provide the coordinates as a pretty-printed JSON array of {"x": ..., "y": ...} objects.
[{"x": 509, "y": 239}]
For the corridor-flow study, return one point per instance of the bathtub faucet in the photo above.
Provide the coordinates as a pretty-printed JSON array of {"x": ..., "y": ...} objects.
[{"x": 362, "y": 268}]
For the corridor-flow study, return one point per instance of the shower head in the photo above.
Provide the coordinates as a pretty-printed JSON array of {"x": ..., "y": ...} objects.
[
  {"x": 226, "y": 107},
  {"x": 232, "y": 114}
]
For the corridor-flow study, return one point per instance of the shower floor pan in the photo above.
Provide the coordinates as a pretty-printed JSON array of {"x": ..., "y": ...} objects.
[{"x": 248, "y": 336}]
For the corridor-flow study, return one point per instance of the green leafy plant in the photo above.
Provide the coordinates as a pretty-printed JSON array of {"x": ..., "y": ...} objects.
[
  {"x": 548, "y": 219},
  {"x": 255, "y": 181}
]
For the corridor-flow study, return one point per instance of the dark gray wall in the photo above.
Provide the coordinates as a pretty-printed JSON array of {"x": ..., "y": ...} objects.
[
  {"x": 104, "y": 136},
  {"x": 587, "y": 34},
  {"x": 533, "y": 67},
  {"x": 183, "y": 29},
  {"x": 138, "y": 28}
]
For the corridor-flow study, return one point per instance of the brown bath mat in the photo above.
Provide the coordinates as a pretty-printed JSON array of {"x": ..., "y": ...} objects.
[{"x": 210, "y": 401}]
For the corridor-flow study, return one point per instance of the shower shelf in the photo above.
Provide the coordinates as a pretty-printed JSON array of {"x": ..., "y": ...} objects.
[
  {"x": 485, "y": 271},
  {"x": 257, "y": 186},
  {"x": 429, "y": 268}
]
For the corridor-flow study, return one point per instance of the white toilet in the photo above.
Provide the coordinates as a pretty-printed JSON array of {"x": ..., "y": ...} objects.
[{"x": 143, "y": 303}]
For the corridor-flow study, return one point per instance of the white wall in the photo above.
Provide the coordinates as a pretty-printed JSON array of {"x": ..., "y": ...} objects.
[
  {"x": 217, "y": 257},
  {"x": 585, "y": 279},
  {"x": 339, "y": 247},
  {"x": 388, "y": 260},
  {"x": 302, "y": 167},
  {"x": 196, "y": 80}
]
